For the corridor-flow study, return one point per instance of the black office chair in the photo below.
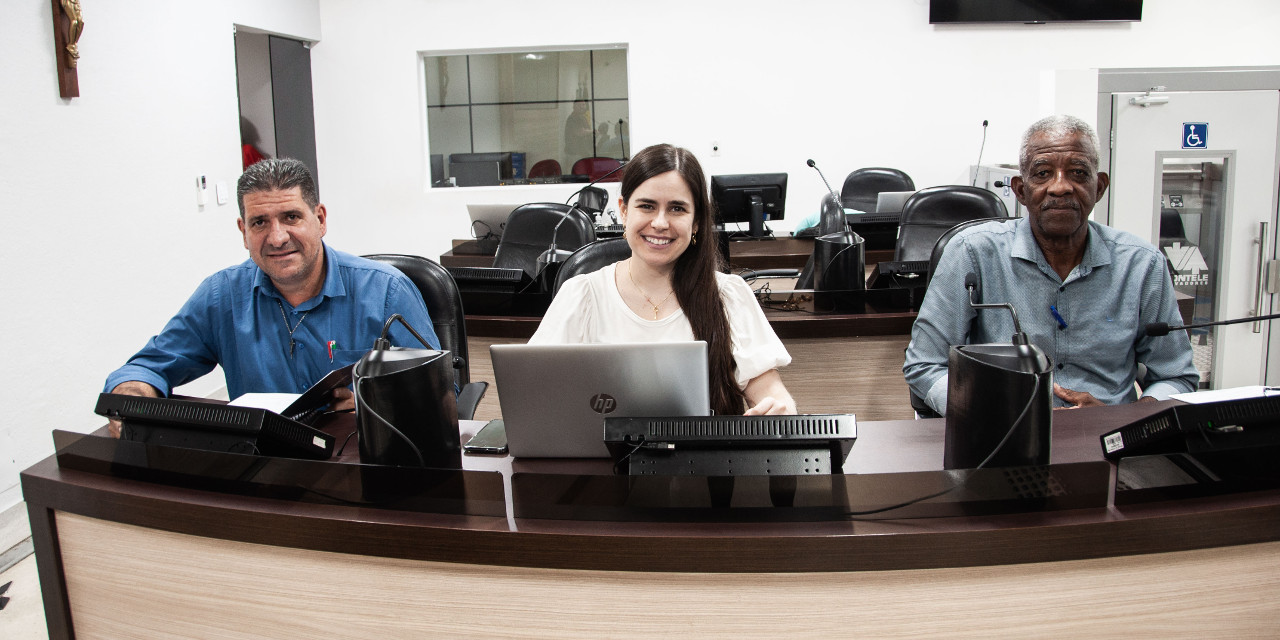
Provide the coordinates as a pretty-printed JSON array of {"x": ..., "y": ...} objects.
[
  {"x": 863, "y": 186},
  {"x": 444, "y": 304},
  {"x": 931, "y": 212},
  {"x": 941, "y": 244},
  {"x": 592, "y": 257},
  {"x": 530, "y": 229},
  {"x": 1171, "y": 227},
  {"x": 922, "y": 409}
]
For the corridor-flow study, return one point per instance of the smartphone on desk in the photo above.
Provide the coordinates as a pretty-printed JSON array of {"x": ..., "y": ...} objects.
[{"x": 491, "y": 438}]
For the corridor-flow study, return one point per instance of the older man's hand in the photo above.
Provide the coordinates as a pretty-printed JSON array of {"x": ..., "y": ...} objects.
[{"x": 1076, "y": 399}]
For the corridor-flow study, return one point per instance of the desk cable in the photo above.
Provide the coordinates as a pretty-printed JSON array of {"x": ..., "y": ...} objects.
[{"x": 1030, "y": 401}]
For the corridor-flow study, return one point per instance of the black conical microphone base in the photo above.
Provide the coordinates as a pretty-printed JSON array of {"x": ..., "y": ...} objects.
[
  {"x": 839, "y": 273},
  {"x": 988, "y": 388}
]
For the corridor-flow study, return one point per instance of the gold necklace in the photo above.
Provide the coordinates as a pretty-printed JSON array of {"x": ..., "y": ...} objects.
[{"x": 646, "y": 296}]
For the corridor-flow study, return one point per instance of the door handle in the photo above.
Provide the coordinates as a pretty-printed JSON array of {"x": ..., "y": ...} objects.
[{"x": 1263, "y": 268}]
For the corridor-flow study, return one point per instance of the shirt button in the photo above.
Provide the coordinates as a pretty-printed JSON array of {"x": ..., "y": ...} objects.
[
  {"x": 1061, "y": 289},
  {"x": 1059, "y": 365}
]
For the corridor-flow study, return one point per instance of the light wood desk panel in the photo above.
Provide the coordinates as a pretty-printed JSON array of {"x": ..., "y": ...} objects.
[{"x": 211, "y": 588}]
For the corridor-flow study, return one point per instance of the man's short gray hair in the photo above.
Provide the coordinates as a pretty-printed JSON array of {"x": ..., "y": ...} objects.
[
  {"x": 277, "y": 174},
  {"x": 1057, "y": 126}
]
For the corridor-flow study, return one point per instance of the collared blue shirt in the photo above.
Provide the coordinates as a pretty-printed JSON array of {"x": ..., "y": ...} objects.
[
  {"x": 236, "y": 318},
  {"x": 1121, "y": 285}
]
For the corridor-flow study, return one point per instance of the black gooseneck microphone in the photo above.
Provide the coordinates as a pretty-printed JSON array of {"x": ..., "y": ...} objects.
[
  {"x": 553, "y": 255},
  {"x": 971, "y": 284},
  {"x": 980, "y": 150},
  {"x": 832, "y": 220},
  {"x": 833, "y": 193},
  {"x": 1157, "y": 329}
]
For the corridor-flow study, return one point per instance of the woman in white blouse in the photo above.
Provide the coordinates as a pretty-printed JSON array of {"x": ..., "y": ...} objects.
[{"x": 667, "y": 290}]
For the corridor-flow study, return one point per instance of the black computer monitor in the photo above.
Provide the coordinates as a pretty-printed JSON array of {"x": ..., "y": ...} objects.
[
  {"x": 731, "y": 445},
  {"x": 750, "y": 197},
  {"x": 480, "y": 169},
  {"x": 195, "y": 424}
]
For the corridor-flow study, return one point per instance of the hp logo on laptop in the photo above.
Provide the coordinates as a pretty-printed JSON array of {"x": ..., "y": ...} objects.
[{"x": 603, "y": 403}]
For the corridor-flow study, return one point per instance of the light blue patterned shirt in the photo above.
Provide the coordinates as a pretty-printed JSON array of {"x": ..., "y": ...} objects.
[{"x": 1120, "y": 285}]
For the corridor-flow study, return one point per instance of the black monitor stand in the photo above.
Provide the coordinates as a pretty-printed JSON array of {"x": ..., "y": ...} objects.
[
  {"x": 757, "y": 229},
  {"x": 757, "y": 216}
]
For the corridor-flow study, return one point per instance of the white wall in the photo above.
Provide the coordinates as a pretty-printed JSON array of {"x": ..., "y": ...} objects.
[
  {"x": 849, "y": 83},
  {"x": 104, "y": 240},
  {"x": 102, "y": 236}
]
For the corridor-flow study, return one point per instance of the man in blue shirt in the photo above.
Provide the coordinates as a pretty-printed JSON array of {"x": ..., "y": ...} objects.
[
  {"x": 296, "y": 310},
  {"x": 1084, "y": 292}
]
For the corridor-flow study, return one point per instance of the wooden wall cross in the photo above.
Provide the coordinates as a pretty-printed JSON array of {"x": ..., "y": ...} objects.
[{"x": 67, "y": 25}]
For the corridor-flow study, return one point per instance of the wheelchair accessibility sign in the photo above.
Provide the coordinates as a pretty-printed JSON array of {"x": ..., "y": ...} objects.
[{"x": 1195, "y": 135}]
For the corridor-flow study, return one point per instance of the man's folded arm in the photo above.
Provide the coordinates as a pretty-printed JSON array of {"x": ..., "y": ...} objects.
[{"x": 943, "y": 320}]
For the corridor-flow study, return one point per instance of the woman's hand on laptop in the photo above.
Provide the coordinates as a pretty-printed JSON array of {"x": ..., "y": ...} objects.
[
  {"x": 771, "y": 406},
  {"x": 768, "y": 396}
]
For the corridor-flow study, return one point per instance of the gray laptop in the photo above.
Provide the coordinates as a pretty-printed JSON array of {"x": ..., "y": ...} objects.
[
  {"x": 892, "y": 201},
  {"x": 554, "y": 398}
]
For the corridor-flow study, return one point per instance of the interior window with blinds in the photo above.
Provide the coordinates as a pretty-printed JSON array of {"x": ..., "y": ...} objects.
[{"x": 526, "y": 117}]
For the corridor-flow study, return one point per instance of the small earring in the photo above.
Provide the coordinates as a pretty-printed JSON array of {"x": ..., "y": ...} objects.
[{"x": 695, "y": 237}]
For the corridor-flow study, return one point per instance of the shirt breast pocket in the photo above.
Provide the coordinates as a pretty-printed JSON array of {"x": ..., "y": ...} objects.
[
  {"x": 344, "y": 357},
  {"x": 1116, "y": 334}
]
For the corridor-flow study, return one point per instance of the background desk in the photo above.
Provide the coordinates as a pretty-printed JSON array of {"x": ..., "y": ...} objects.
[
  {"x": 121, "y": 557},
  {"x": 840, "y": 362},
  {"x": 780, "y": 253}
]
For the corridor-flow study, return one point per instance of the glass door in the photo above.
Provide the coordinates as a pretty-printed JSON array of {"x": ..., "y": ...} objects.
[
  {"x": 1195, "y": 172},
  {"x": 1192, "y": 192}
]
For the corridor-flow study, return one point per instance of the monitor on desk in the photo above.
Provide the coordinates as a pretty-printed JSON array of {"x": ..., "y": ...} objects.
[
  {"x": 880, "y": 230},
  {"x": 753, "y": 198},
  {"x": 480, "y": 169},
  {"x": 790, "y": 445},
  {"x": 211, "y": 426}
]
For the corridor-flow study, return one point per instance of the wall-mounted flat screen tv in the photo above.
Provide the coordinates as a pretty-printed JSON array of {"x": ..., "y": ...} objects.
[{"x": 1033, "y": 11}]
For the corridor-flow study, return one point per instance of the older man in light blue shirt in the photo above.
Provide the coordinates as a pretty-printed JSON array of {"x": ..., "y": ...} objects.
[{"x": 1084, "y": 292}]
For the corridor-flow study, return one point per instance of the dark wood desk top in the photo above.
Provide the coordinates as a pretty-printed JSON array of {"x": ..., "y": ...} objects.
[{"x": 835, "y": 545}]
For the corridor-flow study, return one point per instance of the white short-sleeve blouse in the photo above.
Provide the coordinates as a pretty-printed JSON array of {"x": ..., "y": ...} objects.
[{"x": 589, "y": 309}]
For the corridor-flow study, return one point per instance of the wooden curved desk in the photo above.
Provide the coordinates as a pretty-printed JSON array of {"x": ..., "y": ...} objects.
[{"x": 120, "y": 556}]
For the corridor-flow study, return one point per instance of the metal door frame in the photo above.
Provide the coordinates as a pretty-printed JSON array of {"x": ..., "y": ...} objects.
[
  {"x": 1111, "y": 81},
  {"x": 1172, "y": 79}
]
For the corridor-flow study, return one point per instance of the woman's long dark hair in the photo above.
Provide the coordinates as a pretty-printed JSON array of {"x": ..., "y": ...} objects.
[{"x": 694, "y": 279}]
